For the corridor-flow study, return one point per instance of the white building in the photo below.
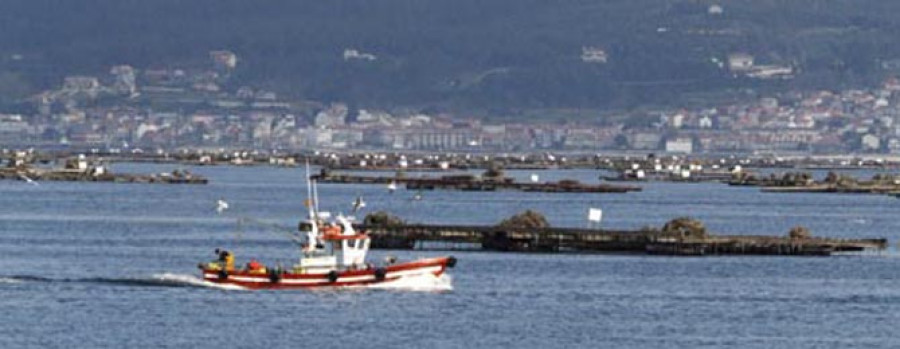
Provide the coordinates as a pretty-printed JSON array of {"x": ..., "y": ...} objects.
[
  {"x": 591, "y": 54},
  {"x": 871, "y": 142},
  {"x": 224, "y": 59},
  {"x": 680, "y": 145},
  {"x": 124, "y": 81},
  {"x": 645, "y": 141},
  {"x": 87, "y": 85},
  {"x": 354, "y": 54},
  {"x": 334, "y": 116},
  {"x": 740, "y": 62}
]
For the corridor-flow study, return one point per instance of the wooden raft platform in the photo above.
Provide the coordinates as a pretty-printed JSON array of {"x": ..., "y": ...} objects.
[
  {"x": 828, "y": 188},
  {"x": 85, "y": 176},
  {"x": 468, "y": 183},
  {"x": 445, "y": 237}
]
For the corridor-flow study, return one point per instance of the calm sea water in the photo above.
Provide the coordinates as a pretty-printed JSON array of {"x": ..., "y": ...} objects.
[{"x": 99, "y": 265}]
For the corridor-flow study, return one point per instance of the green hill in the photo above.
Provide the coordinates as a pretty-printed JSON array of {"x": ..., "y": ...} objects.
[{"x": 495, "y": 55}]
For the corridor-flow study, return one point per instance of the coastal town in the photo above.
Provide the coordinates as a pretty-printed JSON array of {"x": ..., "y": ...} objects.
[{"x": 129, "y": 109}]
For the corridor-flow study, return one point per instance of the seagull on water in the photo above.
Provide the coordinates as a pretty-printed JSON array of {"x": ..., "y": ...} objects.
[
  {"x": 358, "y": 204},
  {"x": 28, "y": 180},
  {"x": 221, "y": 206}
]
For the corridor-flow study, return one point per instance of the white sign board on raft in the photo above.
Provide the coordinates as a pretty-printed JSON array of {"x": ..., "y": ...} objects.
[{"x": 595, "y": 215}]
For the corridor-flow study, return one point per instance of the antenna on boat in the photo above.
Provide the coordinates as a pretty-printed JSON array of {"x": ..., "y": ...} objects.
[
  {"x": 315, "y": 202},
  {"x": 309, "y": 193}
]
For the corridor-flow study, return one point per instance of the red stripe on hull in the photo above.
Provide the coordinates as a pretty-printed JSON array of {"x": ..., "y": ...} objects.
[{"x": 301, "y": 281}]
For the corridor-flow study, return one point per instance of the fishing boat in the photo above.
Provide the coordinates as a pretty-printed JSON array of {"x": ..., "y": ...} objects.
[{"x": 332, "y": 254}]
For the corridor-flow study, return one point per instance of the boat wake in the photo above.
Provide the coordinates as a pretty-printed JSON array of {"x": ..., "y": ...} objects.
[
  {"x": 157, "y": 280},
  {"x": 183, "y": 280},
  {"x": 19, "y": 279},
  {"x": 421, "y": 283},
  {"x": 9, "y": 280}
]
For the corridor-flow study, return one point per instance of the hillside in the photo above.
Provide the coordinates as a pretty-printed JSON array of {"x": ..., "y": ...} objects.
[{"x": 498, "y": 55}]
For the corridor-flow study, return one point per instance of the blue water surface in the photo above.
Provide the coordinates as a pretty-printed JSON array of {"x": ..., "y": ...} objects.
[{"x": 91, "y": 265}]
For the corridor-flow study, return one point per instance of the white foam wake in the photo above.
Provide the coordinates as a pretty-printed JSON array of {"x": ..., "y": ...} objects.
[
  {"x": 191, "y": 280},
  {"x": 10, "y": 281},
  {"x": 423, "y": 282}
]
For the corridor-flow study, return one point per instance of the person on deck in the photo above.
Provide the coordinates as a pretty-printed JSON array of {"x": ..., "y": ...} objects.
[
  {"x": 219, "y": 262},
  {"x": 229, "y": 261}
]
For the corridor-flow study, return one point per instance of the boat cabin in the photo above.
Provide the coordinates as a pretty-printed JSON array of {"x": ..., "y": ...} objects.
[{"x": 332, "y": 245}]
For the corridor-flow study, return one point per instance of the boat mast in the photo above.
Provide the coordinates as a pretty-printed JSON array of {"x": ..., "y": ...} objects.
[
  {"x": 313, "y": 233},
  {"x": 315, "y": 202},
  {"x": 310, "y": 199}
]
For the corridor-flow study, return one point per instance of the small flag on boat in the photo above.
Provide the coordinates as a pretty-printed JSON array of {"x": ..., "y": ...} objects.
[
  {"x": 595, "y": 215},
  {"x": 221, "y": 206}
]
